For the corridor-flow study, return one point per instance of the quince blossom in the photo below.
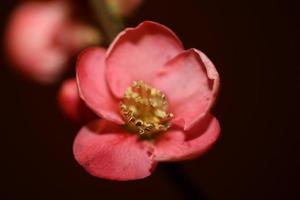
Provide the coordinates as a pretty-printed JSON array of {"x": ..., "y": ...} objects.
[{"x": 153, "y": 98}]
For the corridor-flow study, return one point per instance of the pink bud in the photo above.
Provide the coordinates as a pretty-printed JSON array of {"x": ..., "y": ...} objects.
[{"x": 71, "y": 104}]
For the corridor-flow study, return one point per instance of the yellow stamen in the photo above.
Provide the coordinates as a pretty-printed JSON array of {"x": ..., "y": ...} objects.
[{"x": 144, "y": 109}]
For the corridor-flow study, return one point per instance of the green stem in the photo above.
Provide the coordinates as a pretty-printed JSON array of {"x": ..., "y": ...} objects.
[{"x": 110, "y": 23}]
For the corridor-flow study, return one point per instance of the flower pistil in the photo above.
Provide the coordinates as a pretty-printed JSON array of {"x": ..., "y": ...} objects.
[{"x": 144, "y": 109}]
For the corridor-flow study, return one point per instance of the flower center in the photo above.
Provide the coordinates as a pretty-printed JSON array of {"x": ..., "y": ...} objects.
[{"x": 144, "y": 109}]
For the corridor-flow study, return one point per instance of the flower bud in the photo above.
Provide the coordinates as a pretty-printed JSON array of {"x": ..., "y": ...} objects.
[{"x": 71, "y": 104}]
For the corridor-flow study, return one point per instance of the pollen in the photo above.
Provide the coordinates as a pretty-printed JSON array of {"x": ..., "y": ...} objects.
[{"x": 144, "y": 110}]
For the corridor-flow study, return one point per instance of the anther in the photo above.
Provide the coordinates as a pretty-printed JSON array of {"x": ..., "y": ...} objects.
[{"x": 144, "y": 109}]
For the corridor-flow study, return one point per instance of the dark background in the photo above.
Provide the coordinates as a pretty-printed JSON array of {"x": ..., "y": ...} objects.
[{"x": 252, "y": 43}]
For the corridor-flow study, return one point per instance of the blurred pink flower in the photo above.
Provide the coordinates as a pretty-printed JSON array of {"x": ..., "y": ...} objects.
[
  {"x": 41, "y": 37},
  {"x": 154, "y": 100},
  {"x": 72, "y": 105}
]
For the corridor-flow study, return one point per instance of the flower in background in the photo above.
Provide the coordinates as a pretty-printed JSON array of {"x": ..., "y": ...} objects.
[
  {"x": 72, "y": 106},
  {"x": 41, "y": 37},
  {"x": 154, "y": 100}
]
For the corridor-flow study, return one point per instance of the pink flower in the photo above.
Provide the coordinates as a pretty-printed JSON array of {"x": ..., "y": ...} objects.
[
  {"x": 154, "y": 100},
  {"x": 41, "y": 37}
]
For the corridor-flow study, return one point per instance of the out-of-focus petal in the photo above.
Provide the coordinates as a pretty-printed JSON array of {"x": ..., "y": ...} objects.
[
  {"x": 93, "y": 87},
  {"x": 75, "y": 36},
  {"x": 178, "y": 145},
  {"x": 190, "y": 82},
  {"x": 106, "y": 151},
  {"x": 137, "y": 54}
]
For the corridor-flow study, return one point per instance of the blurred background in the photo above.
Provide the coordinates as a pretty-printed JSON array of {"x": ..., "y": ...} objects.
[{"x": 252, "y": 44}]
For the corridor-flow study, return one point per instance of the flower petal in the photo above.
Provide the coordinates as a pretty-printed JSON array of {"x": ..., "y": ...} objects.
[
  {"x": 137, "y": 53},
  {"x": 93, "y": 87},
  {"x": 106, "y": 151},
  {"x": 190, "y": 82},
  {"x": 177, "y": 145}
]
